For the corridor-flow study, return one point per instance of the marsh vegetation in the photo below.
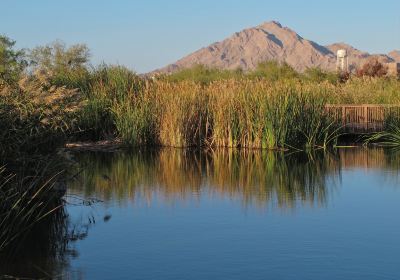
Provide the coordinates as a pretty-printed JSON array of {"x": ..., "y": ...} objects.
[{"x": 51, "y": 95}]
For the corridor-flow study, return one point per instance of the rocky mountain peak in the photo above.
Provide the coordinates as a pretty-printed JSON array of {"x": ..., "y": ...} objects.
[{"x": 271, "y": 41}]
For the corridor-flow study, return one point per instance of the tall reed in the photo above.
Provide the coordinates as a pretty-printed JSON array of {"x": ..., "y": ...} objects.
[
  {"x": 232, "y": 113},
  {"x": 225, "y": 109}
]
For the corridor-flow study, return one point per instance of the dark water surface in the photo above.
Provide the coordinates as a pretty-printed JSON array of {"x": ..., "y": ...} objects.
[{"x": 176, "y": 214}]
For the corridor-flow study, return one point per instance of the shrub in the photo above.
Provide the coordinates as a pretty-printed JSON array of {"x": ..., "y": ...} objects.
[
  {"x": 372, "y": 68},
  {"x": 274, "y": 71},
  {"x": 203, "y": 74},
  {"x": 318, "y": 75}
]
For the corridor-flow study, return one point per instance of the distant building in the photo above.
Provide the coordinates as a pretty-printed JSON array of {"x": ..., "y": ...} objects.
[{"x": 393, "y": 69}]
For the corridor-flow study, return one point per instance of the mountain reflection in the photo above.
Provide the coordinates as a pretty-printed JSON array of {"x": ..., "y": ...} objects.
[{"x": 254, "y": 177}]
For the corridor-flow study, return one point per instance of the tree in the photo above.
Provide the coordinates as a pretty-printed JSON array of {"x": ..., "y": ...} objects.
[
  {"x": 372, "y": 68},
  {"x": 56, "y": 57},
  {"x": 65, "y": 66},
  {"x": 12, "y": 62}
]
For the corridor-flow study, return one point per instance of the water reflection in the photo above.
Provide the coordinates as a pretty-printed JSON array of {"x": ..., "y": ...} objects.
[
  {"x": 254, "y": 177},
  {"x": 45, "y": 245},
  {"x": 46, "y": 250},
  {"x": 370, "y": 158}
]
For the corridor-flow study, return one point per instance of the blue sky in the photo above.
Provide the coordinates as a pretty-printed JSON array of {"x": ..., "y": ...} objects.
[{"x": 148, "y": 34}]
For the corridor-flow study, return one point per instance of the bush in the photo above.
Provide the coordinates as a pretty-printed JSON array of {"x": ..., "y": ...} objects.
[
  {"x": 274, "y": 71},
  {"x": 318, "y": 75},
  {"x": 36, "y": 117},
  {"x": 373, "y": 68},
  {"x": 203, "y": 74}
]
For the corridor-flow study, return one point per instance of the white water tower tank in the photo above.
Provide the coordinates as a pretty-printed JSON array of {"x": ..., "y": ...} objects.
[
  {"x": 341, "y": 53},
  {"x": 342, "y": 63}
]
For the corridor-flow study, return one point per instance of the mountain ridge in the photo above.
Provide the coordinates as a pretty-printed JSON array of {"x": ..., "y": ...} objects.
[{"x": 272, "y": 41}]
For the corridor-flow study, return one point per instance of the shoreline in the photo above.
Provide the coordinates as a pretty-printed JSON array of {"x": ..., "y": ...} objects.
[{"x": 115, "y": 145}]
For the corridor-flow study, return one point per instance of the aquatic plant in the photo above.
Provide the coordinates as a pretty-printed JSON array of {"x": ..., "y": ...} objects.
[
  {"x": 390, "y": 136},
  {"x": 232, "y": 113},
  {"x": 25, "y": 201}
]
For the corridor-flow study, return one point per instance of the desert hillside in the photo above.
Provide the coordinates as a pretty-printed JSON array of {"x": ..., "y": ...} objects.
[{"x": 272, "y": 41}]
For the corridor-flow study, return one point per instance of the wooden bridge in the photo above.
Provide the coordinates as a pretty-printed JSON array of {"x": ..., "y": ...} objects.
[{"x": 363, "y": 118}]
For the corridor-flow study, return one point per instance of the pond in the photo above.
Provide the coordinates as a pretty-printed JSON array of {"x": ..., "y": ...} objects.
[{"x": 181, "y": 214}]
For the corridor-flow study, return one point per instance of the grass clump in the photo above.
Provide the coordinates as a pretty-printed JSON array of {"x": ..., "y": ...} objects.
[
  {"x": 390, "y": 136},
  {"x": 134, "y": 121},
  {"x": 26, "y": 199}
]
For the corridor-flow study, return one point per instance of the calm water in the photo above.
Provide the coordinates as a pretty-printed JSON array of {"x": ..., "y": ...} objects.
[{"x": 224, "y": 215}]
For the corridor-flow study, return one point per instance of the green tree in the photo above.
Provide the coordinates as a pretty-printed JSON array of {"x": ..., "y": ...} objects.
[
  {"x": 12, "y": 62},
  {"x": 67, "y": 65},
  {"x": 58, "y": 57}
]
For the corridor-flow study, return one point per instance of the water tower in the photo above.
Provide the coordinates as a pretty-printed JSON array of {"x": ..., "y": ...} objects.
[{"x": 342, "y": 64}]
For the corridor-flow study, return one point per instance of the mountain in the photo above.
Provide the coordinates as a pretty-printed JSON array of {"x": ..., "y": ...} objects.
[
  {"x": 271, "y": 41},
  {"x": 395, "y": 55}
]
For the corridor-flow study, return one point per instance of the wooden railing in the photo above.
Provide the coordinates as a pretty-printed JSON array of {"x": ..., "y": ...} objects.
[{"x": 362, "y": 118}]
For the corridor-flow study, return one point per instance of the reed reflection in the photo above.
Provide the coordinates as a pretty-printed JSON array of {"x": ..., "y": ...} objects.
[
  {"x": 254, "y": 177},
  {"x": 45, "y": 251}
]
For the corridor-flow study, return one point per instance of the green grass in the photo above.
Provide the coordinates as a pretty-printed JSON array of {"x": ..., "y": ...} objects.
[
  {"x": 26, "y": 199},
  {"x": 202, "y": 74}
]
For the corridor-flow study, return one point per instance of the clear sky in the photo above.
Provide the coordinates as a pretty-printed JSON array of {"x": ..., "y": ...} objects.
[{"x": 147, "y": 34}]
